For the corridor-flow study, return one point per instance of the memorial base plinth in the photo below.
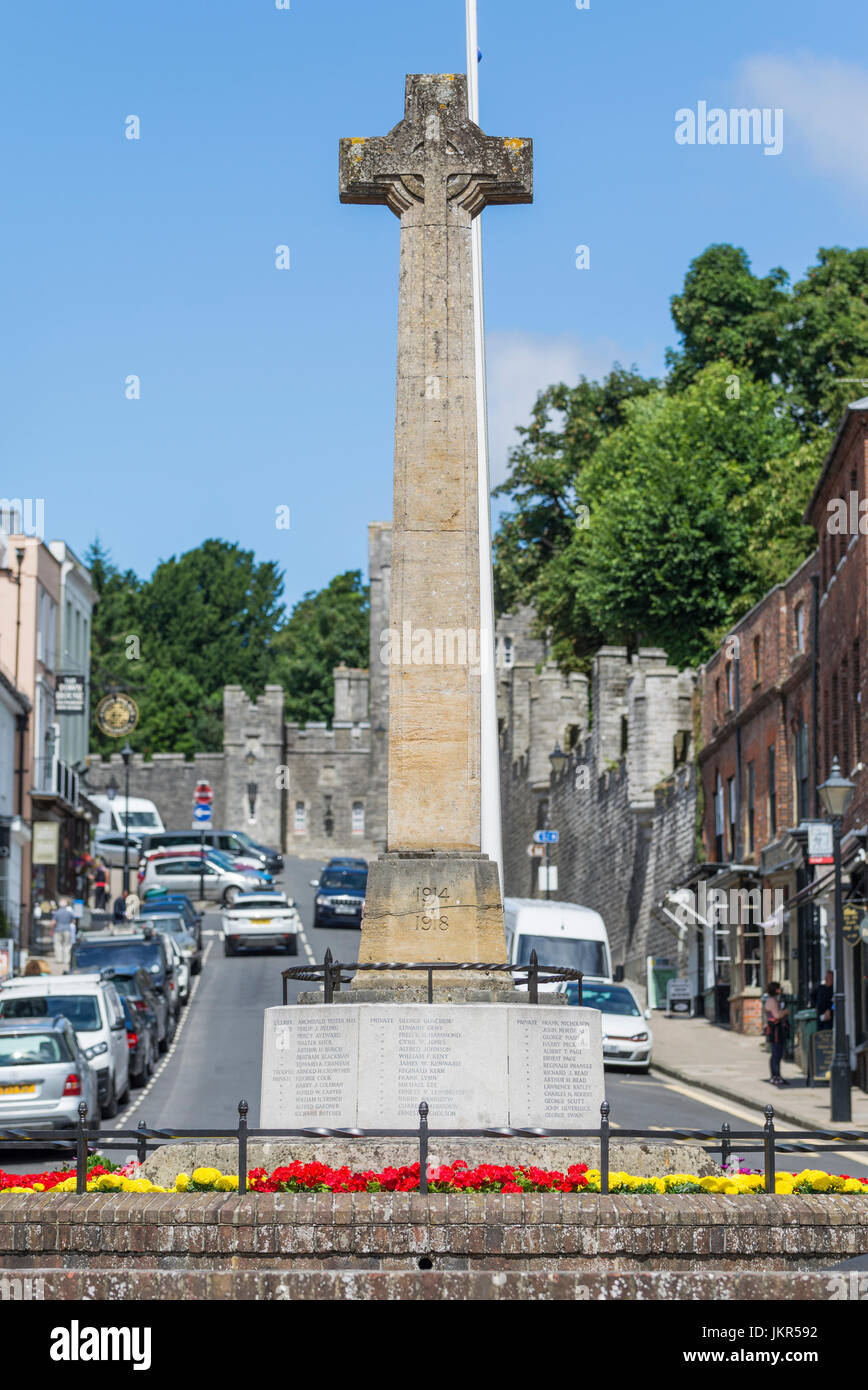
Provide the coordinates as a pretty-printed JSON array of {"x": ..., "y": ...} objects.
[
  {"x": 387, "y": 993},
  {"x": 478, "y": 1066},
  {"x": 434, "y": 907}
]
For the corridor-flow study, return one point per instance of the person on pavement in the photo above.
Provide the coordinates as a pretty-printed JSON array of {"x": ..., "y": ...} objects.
[
  {"x": 100, "y": 886},
  {"x": 823, "y": 997},
  {"x": 119, "y": 911},
  {"x": 776, "y": 1017},
  {"x": 64, "y": 933}
]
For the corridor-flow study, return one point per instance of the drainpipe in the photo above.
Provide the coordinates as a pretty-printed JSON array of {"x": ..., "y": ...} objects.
[
  {"x": 19, "y": 556},
  {"x": 815, "y": 691},
  {"x": 738, "y": 831}
]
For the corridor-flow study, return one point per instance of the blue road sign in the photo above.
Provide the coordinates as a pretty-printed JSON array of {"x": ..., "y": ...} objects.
[
  {"x": 545, "y": 837},
  {"x": 201, "y": 815}
]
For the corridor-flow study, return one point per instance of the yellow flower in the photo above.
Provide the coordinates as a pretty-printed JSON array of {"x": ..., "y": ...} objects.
[
  {"x": 854, "y": 1185},
  {"x": 136, "y": 1185},
  {"x": 8, "y": 1190},
  {"x": 710, "y": 1184},
  {"x": 227, "y": 1184},
  {"x": 182, "y": 1182},
  {"x": 206, "y": 1175},
  {"x": 39, "y": 1187}
]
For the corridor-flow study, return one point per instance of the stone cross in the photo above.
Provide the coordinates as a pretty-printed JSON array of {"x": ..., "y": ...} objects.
[{"x": 436, "y": 170}]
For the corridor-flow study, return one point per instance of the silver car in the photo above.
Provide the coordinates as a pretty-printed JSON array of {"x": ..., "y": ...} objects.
[
  {"x": 44, "y": 1076},
  {"x": 197, "y": 877}
]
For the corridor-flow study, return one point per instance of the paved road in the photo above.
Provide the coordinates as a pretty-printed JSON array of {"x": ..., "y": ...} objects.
[{"x": 215, "y": 1060}]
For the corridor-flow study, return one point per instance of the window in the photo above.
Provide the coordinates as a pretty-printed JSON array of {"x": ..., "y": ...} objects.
[
  {"x": 508, "y": 653},
  {"x": 757, "y": 659},
  {"x": 857, "y": 706},
  {"x": 771, "y": 773},
  {"x": 730, "y": 802},
  {"x": 803, "y": 771},
  {"x": 719, "y": 847},
  {"x": 717, "y": 697},
  {"x": 800, "y": 627},
  {"x": 358, "y": 818},
  {"x": 835, "y": 749},
  {"x": 751, "y": 806},
  {"x": 300, "y": 821},
  {"x": 730, "y": 685},
  {"x": 845, "y": 716}
]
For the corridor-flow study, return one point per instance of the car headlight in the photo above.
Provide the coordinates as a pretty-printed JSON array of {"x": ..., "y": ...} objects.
[
  {"x": 155, "y": 968},
  {"x": 322, "y": 902},
  {"x": 639, "y": 1037},
  {"x": 96, "y": 1050}
]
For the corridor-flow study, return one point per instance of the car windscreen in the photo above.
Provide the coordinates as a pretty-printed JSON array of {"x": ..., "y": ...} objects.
[
  {"x": 143, "y": 820},
  {"x": 609, "y": 999},
  {"x": 272, "y": 902},
  {"x": 351, "y": 880},
  {"x": 82, "y": 1010},
  {"x": 569, "y": 951},
  {"x": 164, "y": 922},
  {"x": 32, "y": 1049},
  {"x": 122, "y": 955}
]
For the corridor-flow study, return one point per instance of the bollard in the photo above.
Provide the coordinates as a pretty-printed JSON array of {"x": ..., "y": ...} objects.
[
  {"x": 141, "y": 1143},
  {"x": 327, "y": 977},
  {"x": 423, "y": 1148},
  {"x": 769, "y": 1147},
  {"x": 604, "y": 1148},
  {"x": 243, "y": 1108},
  {"x": 725, "y": 1145},
  {"x": 81, "y": 1149},
  {"x": 430, "y": 986}
]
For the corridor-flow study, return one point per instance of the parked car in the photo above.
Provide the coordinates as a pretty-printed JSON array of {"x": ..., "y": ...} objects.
[
  {"x": 258, "y": 920},
  {"x": 187, "y": 873},
  {"x": 44, "y": 1076},
  {"x": 212, "y": 856},
  {"x": 141, "y": 1042},
  {"x": 124, "y": 953},
  {"x": 182, "y": 969},
  {"x": 136, "y": 988},
  {"x": 347, "y": 864},
  {"x": 235, "y": 842},
  {"x": 627, "y": 1036},
  {"x": 91, "y": 1004},
  {"x": 137, "y": 815},
  {"x": 174, "y": 902},
  {"x": 108, "y": 845},
  {"x": 340, "y": 897},
  {"x": 172, "y": 924}
]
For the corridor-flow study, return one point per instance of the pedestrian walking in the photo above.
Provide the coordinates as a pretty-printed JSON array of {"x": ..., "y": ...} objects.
[
  {"x": 119, "y": 911},
  {"x": 823, "y": 999},
  {"x": 100, "y": 886},
  {"x": 776, "y": 1022},
  {"x": 64, "y": 933}
]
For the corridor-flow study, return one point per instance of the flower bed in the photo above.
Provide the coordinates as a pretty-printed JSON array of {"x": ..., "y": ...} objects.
[{"x": 457, "y": 1177}]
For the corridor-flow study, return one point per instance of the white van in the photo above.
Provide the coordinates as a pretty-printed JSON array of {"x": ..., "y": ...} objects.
[
  {"x": 561, "y": 934},
  {"x": 142, "y": 816}
]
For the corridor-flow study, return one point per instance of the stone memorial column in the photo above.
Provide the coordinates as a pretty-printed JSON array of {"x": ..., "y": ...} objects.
[{"x": 433, "y": 895}]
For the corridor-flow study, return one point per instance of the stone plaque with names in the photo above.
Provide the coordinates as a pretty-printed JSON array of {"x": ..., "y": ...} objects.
[
  {"x": 478, "y": 1066},
  {"x": 310, "y": 1063}
]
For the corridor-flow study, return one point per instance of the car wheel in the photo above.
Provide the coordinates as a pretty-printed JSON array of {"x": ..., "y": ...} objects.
[
  {"x": 110, "y": 1105},
  {"x": 229, "y": 896},
  {"x": 139, "y": 1078},
  {"x": 163, "y": 1043},
  {"x": 292, "y": 947},
  {"x": 196, "y": 967},
  {"x": 228, "y": 948}
]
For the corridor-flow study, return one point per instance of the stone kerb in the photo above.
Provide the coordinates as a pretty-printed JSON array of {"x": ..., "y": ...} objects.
[{"x": 548, "y": 1232}]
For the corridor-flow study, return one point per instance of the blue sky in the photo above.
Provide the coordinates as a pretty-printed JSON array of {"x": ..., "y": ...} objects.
[{"x": 263, "y": 388}]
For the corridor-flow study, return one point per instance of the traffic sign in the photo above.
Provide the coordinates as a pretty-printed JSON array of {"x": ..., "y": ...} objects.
[
  {"x": 203, "y": 794},
  {"x": 201, "y": 816},
  {"x": 546, "y": 837},
  {"x": 536, "y": 851},
  {"x": 821, "y": 844}
]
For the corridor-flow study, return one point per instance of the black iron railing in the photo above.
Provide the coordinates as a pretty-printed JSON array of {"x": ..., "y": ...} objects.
[
  {"x": 766, "y": 1141},
  {"x": 332, "y": 974}
]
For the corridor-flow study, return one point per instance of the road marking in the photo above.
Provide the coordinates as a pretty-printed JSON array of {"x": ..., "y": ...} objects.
[
  {"x": 167, "y": 1057},
  {"x": 709, "y": 1098},
  {"x": 305, "y": 943}
]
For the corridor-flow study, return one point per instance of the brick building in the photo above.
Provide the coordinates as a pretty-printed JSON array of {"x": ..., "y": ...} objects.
[{"x": 782, "y": 697}]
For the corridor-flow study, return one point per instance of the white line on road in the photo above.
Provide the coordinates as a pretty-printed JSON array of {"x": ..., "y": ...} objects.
[
  {"x": 143, "y": 1094},
  {"x": 305, "y": 943}
]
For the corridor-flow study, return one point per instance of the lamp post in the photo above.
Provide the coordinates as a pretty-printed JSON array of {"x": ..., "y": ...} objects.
[
  {"x": 126, "y": 754},
  {"x": 835, "y": 794},
  {"x": 558, "y": 760}
]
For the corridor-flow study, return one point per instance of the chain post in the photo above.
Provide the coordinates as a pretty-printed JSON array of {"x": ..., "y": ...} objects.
[
  {"x": 725, "y": 1148},
  {"x": 243, "y": 1108},
  {"x": 81, "y": 1149},
  {"x": 604, "y": 1148},
  {"x": 141, "y": 1143},
  {"x": 423, "y": 1148},
  {"x": 533, "y": 979},
  {"x": 327, "y": 977},
  {"x": 769, "y": 1147}
]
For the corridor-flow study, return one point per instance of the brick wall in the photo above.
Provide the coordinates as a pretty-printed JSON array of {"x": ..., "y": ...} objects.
[{"x": 394, "y": 1231}]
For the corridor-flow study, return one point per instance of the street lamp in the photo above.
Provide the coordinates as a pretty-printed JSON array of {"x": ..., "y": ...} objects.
[
  {"x": 126, "y": 754},
  {"x": 558, "y": 759},
  {"x": 835, "y": 794}
]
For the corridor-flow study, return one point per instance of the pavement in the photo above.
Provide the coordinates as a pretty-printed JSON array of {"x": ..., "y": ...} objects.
[{"x": 736, "y": 1067}]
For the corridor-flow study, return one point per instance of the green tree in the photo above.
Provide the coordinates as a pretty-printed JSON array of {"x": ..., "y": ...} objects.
[
  {"x": 327, "y": 628},
  {"x": 827, "y": 337}
]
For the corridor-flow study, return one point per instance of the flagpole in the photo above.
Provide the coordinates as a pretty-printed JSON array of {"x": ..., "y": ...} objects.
[{"x": 490, "y": 828}]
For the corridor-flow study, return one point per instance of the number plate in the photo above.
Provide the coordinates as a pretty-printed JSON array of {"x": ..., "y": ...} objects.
[
  {"x": 259, "y": 921},
  {"x": 17, "y": 1090},
  {"x": 347, "y": 911}
]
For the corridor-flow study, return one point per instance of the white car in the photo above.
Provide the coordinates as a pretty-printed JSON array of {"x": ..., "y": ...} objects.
[
  {"x": 257, "y": 920},
  {"x": 627, "y": 1036},
  {"x": 92, "y": 1006},
  {"x": 182, "y": 967}
]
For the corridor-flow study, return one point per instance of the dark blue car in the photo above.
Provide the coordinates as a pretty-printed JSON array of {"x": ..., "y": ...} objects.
[
  {"x": 340, "y": 897},
  {"x": 179, "y": 904}
]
